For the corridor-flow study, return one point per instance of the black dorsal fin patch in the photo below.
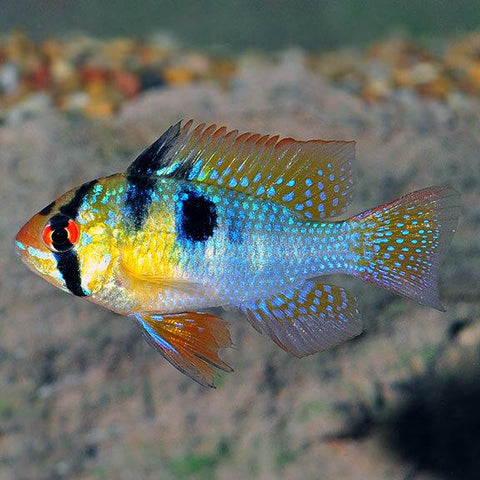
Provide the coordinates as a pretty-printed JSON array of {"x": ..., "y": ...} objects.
[
  {"x": 142, "y": 178},
  {"x": 197, "y": 217},
  {"x": 155, "y": 156}
]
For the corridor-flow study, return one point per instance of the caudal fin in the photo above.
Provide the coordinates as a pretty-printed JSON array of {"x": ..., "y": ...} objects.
[{"x": 401, "y": 242}]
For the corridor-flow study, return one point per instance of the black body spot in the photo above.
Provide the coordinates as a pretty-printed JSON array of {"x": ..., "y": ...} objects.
[
  {"x": 46, "y": 210},
  {"x": 68, "y": 266},
  {"x": 198, "y": 217},
  {"x": 72, "y": 207}
]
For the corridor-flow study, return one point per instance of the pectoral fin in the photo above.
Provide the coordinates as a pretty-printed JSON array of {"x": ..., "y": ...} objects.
[
  {"x": 306, "y": 319},
  {"x": 165, "y": 281},
  {"x": 189, "y": 341}
]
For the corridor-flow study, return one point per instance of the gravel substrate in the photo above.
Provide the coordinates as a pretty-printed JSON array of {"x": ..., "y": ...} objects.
[{"x": 84, "y": 397}]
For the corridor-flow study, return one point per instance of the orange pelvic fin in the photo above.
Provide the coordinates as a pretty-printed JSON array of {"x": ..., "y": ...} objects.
[{"x": 190, "y": 341}]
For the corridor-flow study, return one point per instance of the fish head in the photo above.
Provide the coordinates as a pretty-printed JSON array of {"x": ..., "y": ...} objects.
[
  {"x": 34, "y": 252},
  {"x": 68, "y": 247}
]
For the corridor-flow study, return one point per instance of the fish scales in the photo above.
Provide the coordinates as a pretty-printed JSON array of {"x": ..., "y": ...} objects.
[
  {"x": 205, "y": 218},
  {"x": 254, "y": 247}
]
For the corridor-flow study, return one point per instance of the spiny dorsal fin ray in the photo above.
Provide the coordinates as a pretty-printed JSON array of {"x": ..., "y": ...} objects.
[
  {"x": 190, "y": 341},
  {"x": 313, "y": 178},
  {"x": 306, "y": 319},
  {"x": 156, "y": 156}
]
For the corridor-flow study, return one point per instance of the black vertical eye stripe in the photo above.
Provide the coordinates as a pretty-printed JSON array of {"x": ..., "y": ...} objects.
[
  {"x": 67, "y": 262},
  {"x": 72, "y": 207},
  {"x": 69, "y": 268}
]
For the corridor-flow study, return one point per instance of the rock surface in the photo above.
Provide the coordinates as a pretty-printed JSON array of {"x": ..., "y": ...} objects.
[{"x": 84, "y": 397}]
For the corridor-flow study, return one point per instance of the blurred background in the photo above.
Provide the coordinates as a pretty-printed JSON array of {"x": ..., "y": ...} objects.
[{"x": 86, "y": 85}]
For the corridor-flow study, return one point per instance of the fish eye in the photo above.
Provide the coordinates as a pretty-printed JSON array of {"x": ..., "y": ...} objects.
[{"x": 60, "y": 234}]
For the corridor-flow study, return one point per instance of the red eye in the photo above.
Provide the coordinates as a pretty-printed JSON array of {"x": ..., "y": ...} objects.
[
  {"x": 47, "y": 236},
  {"x": 61, "y": 233},
  {"x": 73, "y": 232}
]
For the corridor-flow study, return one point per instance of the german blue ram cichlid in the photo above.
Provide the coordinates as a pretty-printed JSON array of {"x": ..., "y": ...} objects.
[{"x": 206, "y": 217}]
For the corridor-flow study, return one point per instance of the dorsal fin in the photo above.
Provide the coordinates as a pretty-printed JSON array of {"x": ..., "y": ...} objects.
[{"x": 313, "y": 178}]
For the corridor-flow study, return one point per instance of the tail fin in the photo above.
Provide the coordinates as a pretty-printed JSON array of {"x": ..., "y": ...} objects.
[{"x": 401, "y": 242}]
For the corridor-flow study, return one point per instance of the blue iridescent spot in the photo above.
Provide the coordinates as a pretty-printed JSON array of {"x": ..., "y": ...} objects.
[
  {"x": 291, "y": 183},
  {"x": 232, "y": 183},
  {"x": 277, "y": 302},
  {"x": 308, "y": 182},
  {"x": 257, "y": 177},
  {"x": 271, "y": 192},
  {"x": 288, "y": 197},
  {"x": 20, "y": 245},
  {"x": 399, "y": 240},
  {"x": 244, "y": 182}
]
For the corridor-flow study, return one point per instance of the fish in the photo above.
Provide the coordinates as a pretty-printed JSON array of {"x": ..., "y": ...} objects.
[{"x": 207, "y": 217}]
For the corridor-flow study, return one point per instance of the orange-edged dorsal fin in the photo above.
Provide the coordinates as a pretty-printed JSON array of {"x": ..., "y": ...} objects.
[
  {"x": 189, "y": 341},
  {"x": 313, "y": 178},
  {"x": 306, "y": 319}
]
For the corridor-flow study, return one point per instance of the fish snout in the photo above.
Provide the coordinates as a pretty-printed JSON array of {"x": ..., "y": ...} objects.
[{"x": 30, "y": 235}]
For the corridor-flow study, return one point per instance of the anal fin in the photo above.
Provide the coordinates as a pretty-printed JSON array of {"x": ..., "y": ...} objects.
[
  {"x": 306, "y": 319},
  {"x": 190, "y": 341}
]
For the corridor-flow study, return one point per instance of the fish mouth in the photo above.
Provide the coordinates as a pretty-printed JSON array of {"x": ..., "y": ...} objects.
[
  {"x": 30, "y": 235},
  {"x": 20, "y": 242},
  {"x": 28, "y": 240}
]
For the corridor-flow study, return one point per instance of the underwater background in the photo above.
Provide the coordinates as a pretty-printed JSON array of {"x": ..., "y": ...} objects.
[{"x": 85, "y": 86}]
